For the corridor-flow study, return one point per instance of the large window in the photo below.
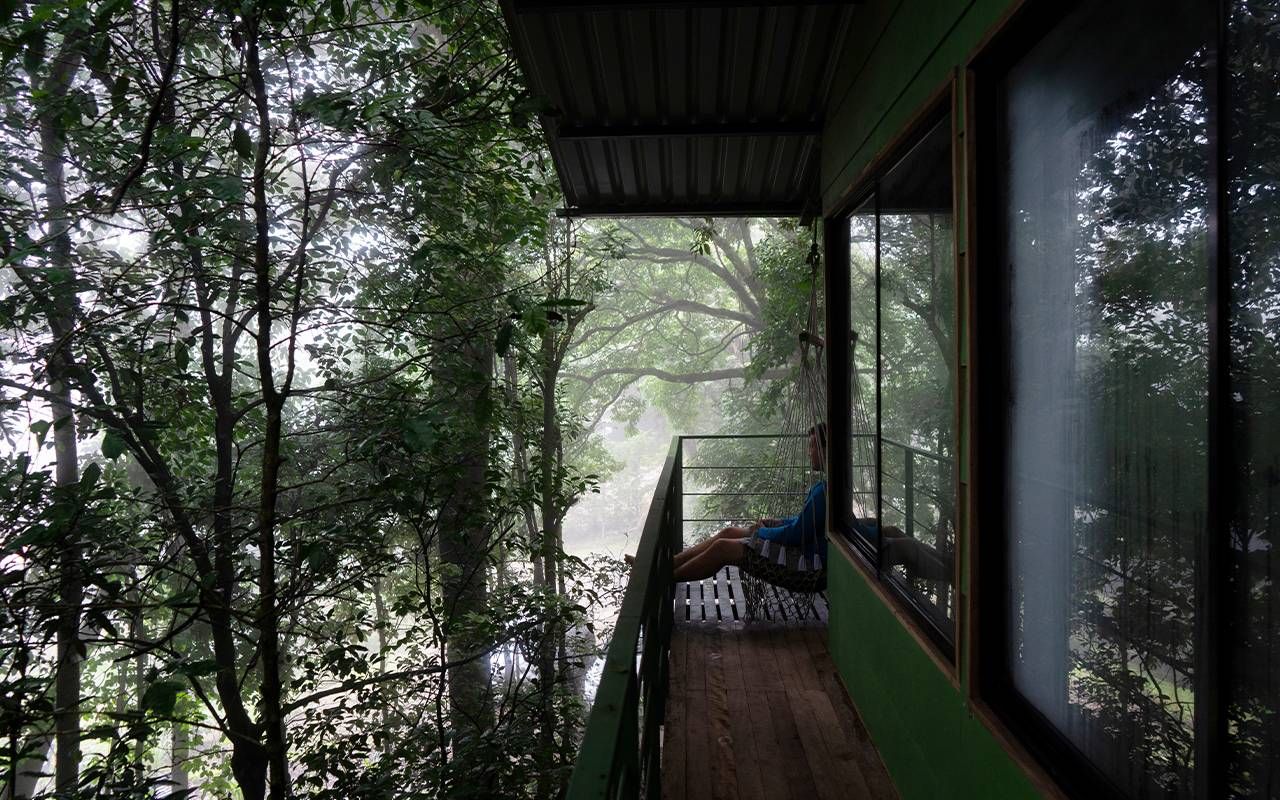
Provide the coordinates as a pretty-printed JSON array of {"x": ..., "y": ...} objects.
[
  {"x": 901, "y": 498},
  {"x": 1251, "y": 396},
  {"x": 1129, "y": 309}
]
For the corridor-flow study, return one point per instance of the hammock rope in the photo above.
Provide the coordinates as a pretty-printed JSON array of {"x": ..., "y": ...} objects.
[{"x": 797, "y": 573}]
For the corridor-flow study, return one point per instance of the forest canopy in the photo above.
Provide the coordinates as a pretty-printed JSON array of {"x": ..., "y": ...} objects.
[{"x": 301, "y": 375}]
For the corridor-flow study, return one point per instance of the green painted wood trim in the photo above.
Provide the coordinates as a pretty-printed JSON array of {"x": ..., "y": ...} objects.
[
  {"x": 902, "y": 51},
  {"x": 932, "y": 745}
]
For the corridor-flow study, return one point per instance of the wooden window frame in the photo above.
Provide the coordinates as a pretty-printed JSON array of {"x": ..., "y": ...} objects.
[
  {"x": 943, "y": 102},
  {"x": 1052, "y": 761}
]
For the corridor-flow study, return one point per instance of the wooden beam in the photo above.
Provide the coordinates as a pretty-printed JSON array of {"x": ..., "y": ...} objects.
[
  {"x": 572, "y": 133},
  {"x": 553, "y": 6},
  {"x": 708, "y": 209}
]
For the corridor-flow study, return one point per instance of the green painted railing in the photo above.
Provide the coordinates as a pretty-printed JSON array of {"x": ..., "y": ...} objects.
[{"x": 621, "y": 746}]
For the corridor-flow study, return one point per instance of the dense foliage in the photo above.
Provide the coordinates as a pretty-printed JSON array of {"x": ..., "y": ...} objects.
[{"x": 266, "y": 529}]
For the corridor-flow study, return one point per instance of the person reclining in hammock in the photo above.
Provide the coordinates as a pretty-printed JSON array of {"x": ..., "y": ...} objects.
[
  {"x": 804, "y": 539},
  {"x": 803, "y": 534}
]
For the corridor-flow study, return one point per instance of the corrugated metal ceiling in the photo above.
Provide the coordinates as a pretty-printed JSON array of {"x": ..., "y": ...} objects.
[{"x": 682, "y": 108}]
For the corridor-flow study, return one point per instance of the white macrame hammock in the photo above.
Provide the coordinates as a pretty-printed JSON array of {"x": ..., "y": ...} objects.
[{"x": 793, "y": 576}]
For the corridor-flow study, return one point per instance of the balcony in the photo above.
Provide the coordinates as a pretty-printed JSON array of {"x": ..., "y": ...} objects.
[{"x": 699, "y": 698}]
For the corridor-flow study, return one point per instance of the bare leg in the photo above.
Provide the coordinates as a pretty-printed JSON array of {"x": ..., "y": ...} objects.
[
  {"x": 920, "y": 559},
  {"x": 696, "y": 550},
  {"x": 719, "y": 554}
]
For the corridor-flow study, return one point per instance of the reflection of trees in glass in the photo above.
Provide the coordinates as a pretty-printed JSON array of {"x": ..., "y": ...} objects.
[
  {"x": 1254, "y": 237},
  {"x": 1138, "y": 434},
  {"x": 916, "y": 354},
  {"x": 917, "y": 335},
  {"x": 862, "y": 320},
  {"x": 917, "y": 329}
]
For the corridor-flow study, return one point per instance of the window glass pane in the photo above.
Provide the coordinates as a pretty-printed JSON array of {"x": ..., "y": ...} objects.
[
  {"x": 862, "y": 369},
  {"x": 917, "y": 362},
  {"x": 1253, "y": 195},
  {"x": 1105, "y": 168}
]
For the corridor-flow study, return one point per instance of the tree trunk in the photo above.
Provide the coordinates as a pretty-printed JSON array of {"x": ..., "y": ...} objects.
[
  {"x": 520, "y": 458},
  {"x": 138, "y": 632},
  {"x": 466, "y": 370},
  {"x": 179, "y": 747},
  {"x": 383, "y": 620},
  {"x": 551, "y": 525},
  {"x": 25, "y": 774},
  {"x": 268, "y": 623},
  {"x": 61, "y": 319}
]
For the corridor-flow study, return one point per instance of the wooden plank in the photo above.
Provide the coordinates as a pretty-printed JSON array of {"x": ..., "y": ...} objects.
[
  {"x": 674, "y": 733},
  {"x": 723, "y": 604},
  {"x": 795, "y": 766},
  {"x": 843, "y": 749},
  {"x": 724, "y": 772},
  {"x": 781, "y": 651},
  {"x": 697, "y": 772},
  {"x": 824, "y": 609},
  {"x": 851, "y": 729},
  {"x": 768, "y": 757},
  {"x": 709, "y": 600},
  {"x": 806, "y": 669},
  {"x": 831, "y": 761},
  {"x": 829, "y": 677},
  {"x": 735, "y": 671},
  {"x": 816, "y": 637},
  {"x": 756, "y": 639},
  {"x": 677, "y": 675},
  {"x": 739, "y": 594},
  {"x": 750, "y": 783}
]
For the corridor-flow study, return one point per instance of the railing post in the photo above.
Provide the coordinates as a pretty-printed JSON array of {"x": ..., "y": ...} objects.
[
  {"x": 620, "y": 747},
  {"x": 677, "y": 500},
  {"x": 909, "y": 489}
]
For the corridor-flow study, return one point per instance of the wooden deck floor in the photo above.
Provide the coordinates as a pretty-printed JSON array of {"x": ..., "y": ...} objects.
[{"x": 755, "y": 710}]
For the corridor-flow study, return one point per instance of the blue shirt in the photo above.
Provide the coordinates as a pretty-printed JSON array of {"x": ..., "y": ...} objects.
[{"x": 808, "y": 529}]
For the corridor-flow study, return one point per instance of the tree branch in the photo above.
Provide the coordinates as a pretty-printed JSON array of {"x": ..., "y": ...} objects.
[{"x": 153, "y": 117}]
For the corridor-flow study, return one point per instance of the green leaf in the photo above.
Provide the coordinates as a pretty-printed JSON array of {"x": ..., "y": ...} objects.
[
  {"x": 196, "y": 669},
  {"x": 337, "y": 10},
  {"x": 41, "y": 429},
  {"x": 37, "y": 534},
  {"x": 7, "y": 7},
  {"x": 419, "y": 434},
  {"x": 161, "y": 696},
  {"x": 119, "y": 90},
  {"x": 227, "y": 188},
  {"x": 241, "y": 142},
  {"x": 101, "y": 54},
  {"x": 112, "y": 445},
  {"x": 181, "y": 355},
  {"x": 89, "y": 478},
  {"x": 33, "y": 56},
  {"x": 503, "y": 343},
  {"x": 99, "y": 619}
]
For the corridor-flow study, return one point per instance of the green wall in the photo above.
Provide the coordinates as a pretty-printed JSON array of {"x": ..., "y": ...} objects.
[
  {"x": 898, "y": 55},
  {"x": 931, "y": 744}
]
